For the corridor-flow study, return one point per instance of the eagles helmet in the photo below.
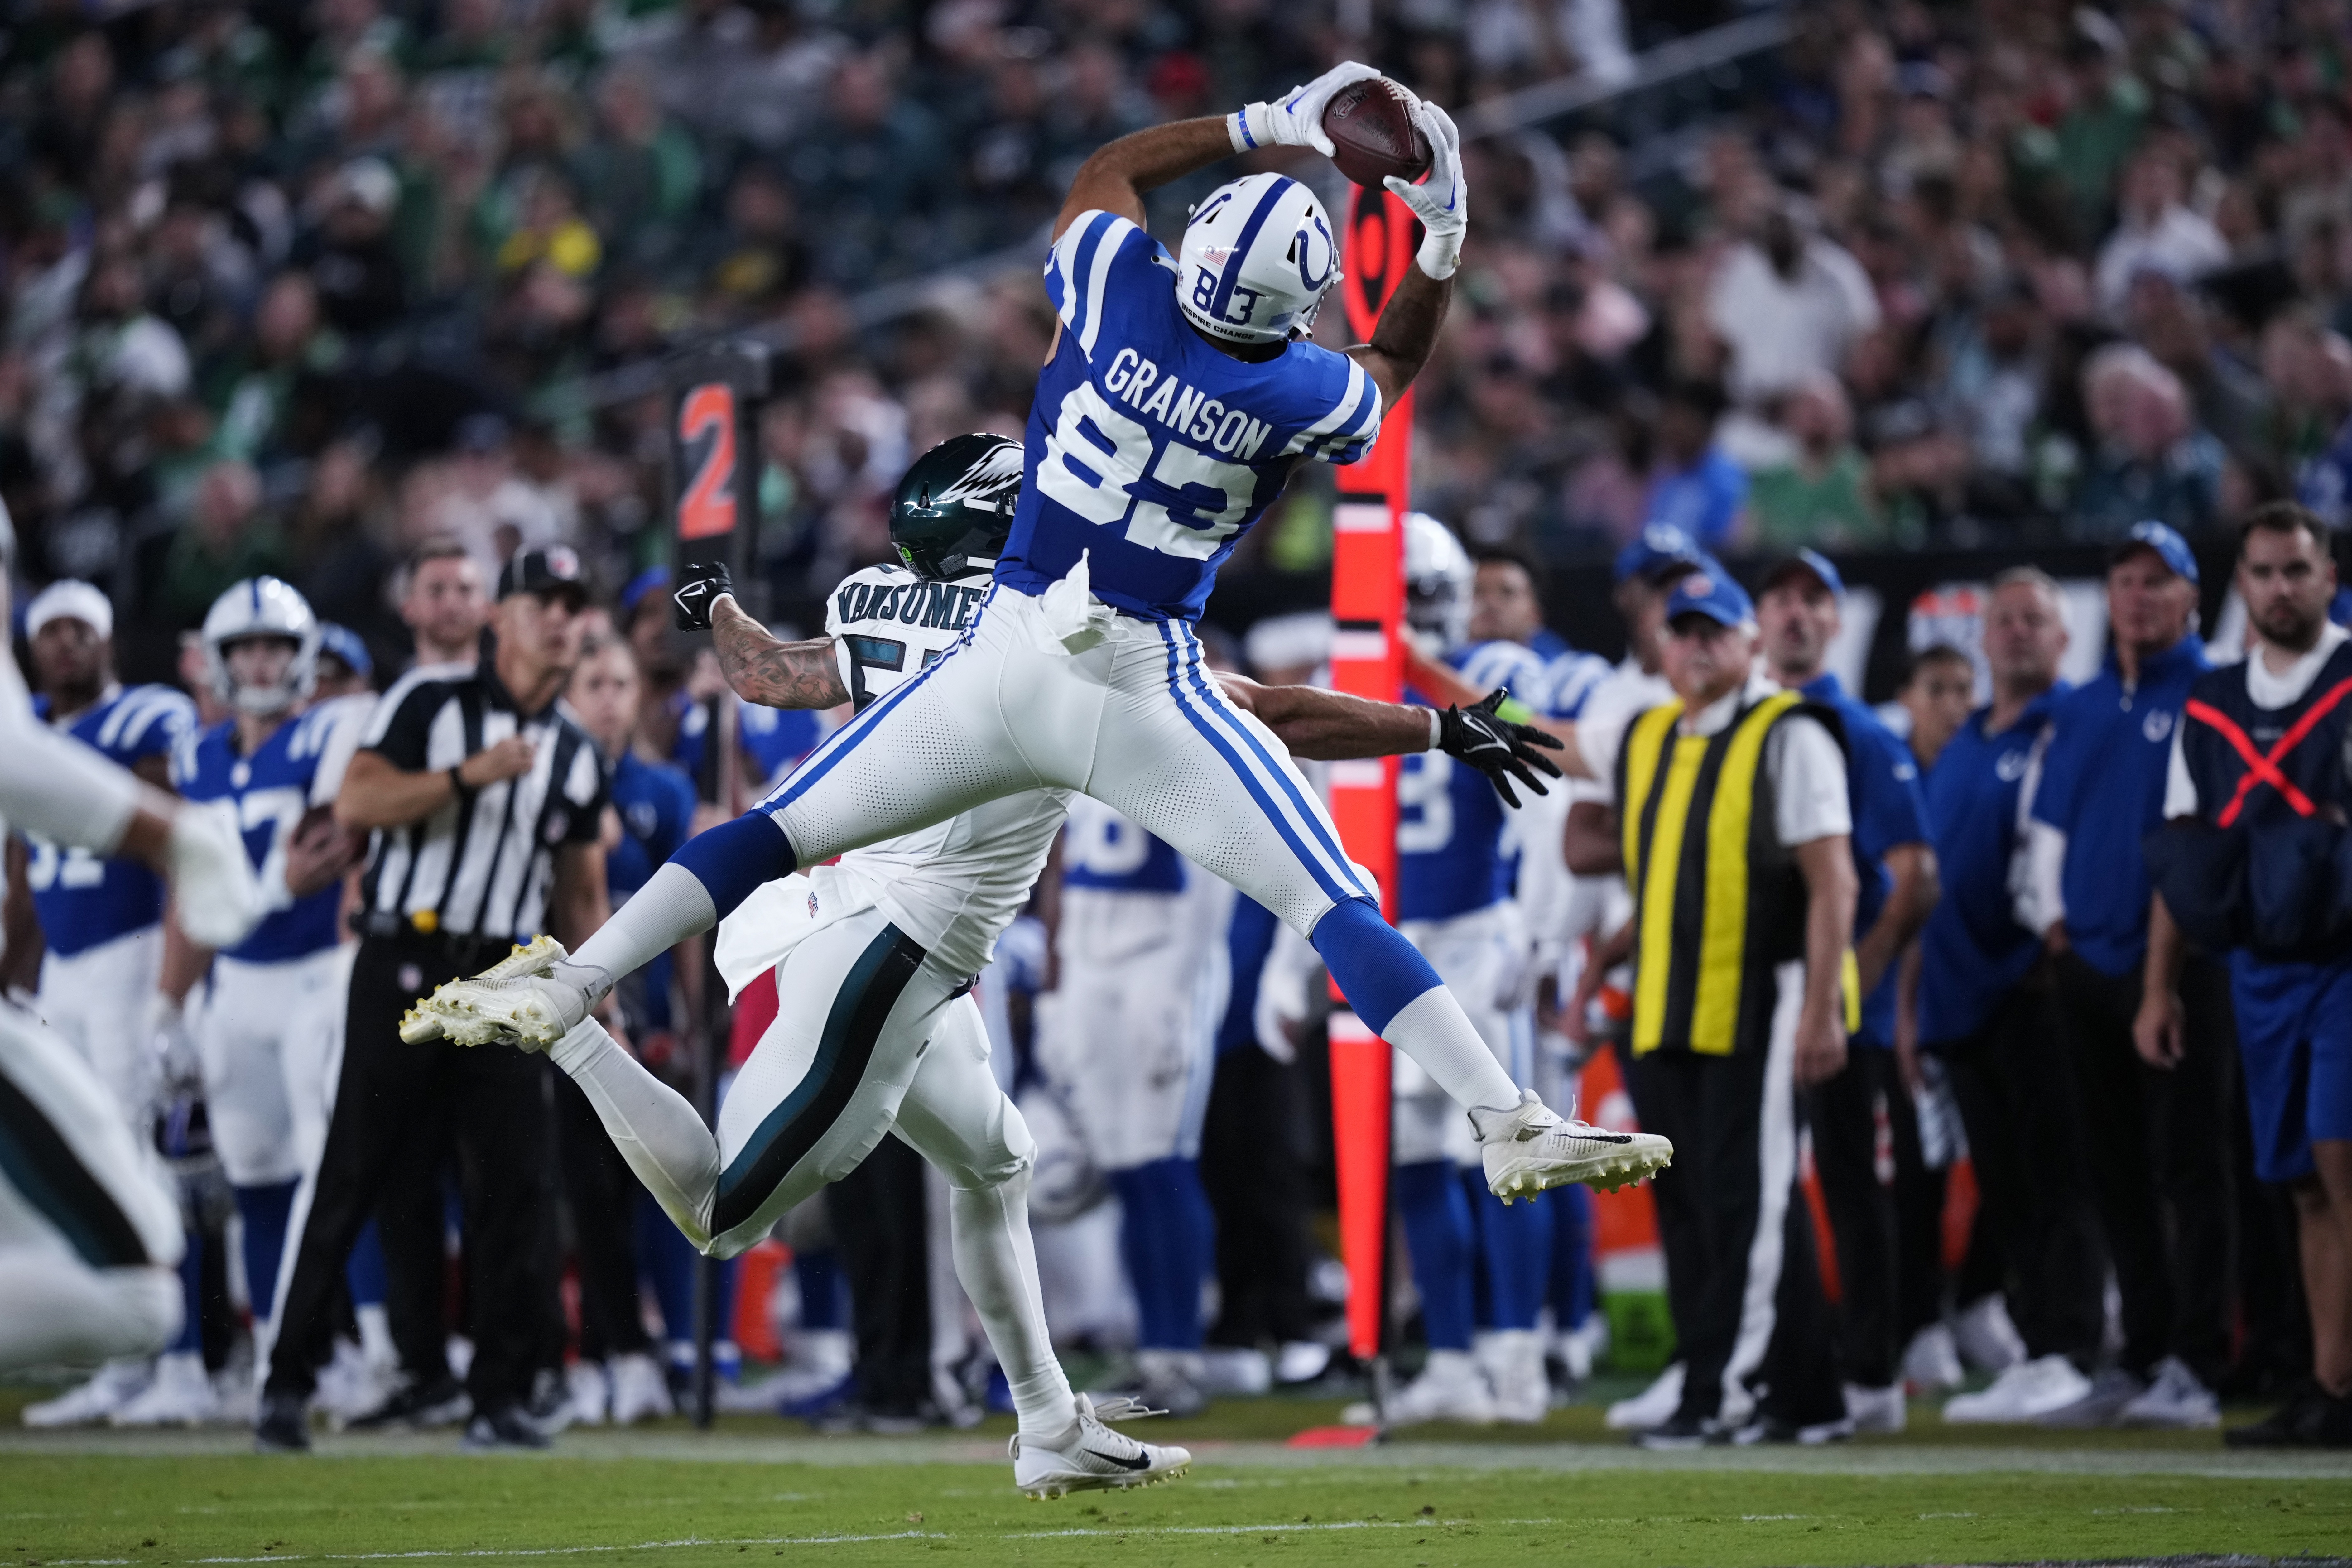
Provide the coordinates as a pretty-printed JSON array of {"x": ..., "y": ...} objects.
[
  {"x": 261, "y": 607},
  {"x": 954, "y": 508},
  {"x": 1256, "y": 260},
  {"x": 1438, "y": 579}
]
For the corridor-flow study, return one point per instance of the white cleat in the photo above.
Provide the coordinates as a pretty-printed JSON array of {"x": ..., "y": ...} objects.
[
  {"x": 1452, "y": 1387},
  {"x": 529, "y": 998},
  {"x": 1985, "y": 1338},
  {"x": 116, "y": 1385},
  {"x": 1653, "y": 1406},
  {"x": 180, "y": 1395},
  {"x": 1528, "y": 1148},
  {"x": 1877, "y": 1410},
  {"x": 640, "y": 1390},
  {"x": 1513, "y": 1359},
  {"x": 1931, "y": 1363},
  {"x": 2026, "y": 1391},
  {"x": 1093, "y": 1457}
]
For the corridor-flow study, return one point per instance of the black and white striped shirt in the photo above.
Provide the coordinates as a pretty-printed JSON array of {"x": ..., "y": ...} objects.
[{"x": 482, "y": 865}]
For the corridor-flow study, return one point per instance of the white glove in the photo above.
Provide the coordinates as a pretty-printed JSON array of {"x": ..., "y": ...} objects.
[
  {"x": 216, "y": 896},
  {"x": 1295, "y": 118},
  {"x": 166, "y": 1033},
  {"x": 1442, "y": 201}
]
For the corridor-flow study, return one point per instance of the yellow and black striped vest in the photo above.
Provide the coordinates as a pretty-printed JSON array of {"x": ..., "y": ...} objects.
[{"x": 1718, "y": 901}]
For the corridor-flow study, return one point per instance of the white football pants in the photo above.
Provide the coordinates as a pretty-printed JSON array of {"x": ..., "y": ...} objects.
[
  {"x": 869, "y": 1039},
  {"x": 98, "y": 999},
  {"x": 1480, "y": 956},
  {"x": 268, "y": 1037},
  {"x": 1136, "y": 721},
  {"x": 89, "y": 1228}
]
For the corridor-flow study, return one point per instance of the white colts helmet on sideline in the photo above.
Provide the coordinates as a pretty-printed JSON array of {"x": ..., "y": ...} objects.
[
  {"x": 1259, "y": 257},
  {"x": 261, "y": 607},
  {"x": 1438, "y": 579}
]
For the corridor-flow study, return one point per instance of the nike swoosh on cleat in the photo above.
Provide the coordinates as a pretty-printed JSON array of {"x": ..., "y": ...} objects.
[{"x": 1141, "y": 1462}]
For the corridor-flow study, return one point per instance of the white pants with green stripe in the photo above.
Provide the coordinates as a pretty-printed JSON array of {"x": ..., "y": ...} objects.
[{"x": 89, "y": 1228}]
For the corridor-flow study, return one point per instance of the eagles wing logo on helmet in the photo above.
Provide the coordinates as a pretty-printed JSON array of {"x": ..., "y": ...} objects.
[
  {"x": 954, "y": 508},
  {"x": 994, "y": 480}
]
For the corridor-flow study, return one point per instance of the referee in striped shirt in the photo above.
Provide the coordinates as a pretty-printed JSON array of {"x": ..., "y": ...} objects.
[{"x": 486, "y": 802}]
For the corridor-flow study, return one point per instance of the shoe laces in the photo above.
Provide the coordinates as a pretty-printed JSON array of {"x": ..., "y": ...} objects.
[{"x": 1122, "y": 1407}]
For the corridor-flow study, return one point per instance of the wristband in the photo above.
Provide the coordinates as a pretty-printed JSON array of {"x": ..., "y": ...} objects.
[
  {"x": 1436, "y": 729},
  {"x": 458, "y": 778}
]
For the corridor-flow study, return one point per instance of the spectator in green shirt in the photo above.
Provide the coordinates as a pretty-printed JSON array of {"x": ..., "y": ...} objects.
[{"x": 1822, "y": 497}]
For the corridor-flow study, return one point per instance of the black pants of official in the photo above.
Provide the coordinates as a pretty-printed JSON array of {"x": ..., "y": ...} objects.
[
  {"x": 1726, "y": 1118},
  {"x": 1252, "y": 1166},
  {"x": 1843, "y": 1115},
  {"x": 602, "y": 1193},
  {"x": 2158, "y": 1143},
  {"x": 2014, "y": 1083},
  {"x": 398, "y": 1107},
  {"x": 878, "y": 1224}
]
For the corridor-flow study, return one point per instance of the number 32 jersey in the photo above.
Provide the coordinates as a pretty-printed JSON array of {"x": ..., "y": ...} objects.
[
  {"x": 85, "y": 899},
  {"x": 1150, "y": 448}
]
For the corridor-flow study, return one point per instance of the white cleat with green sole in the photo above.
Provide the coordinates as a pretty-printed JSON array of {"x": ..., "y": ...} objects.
[
  {"x": 1528, "y": 1148},
  {"x": 529, "y": 998}
]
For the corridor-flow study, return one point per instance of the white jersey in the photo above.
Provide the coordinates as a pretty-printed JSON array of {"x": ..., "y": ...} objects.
[{"x": 954, "y": 885}]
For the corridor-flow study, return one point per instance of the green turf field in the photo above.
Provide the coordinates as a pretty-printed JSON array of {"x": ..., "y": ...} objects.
[{"x": 758, "y": 1488}]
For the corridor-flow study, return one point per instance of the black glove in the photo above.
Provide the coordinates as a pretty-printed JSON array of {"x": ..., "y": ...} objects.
[
  {"x": 698, "y": 587},
  {"x": 1496, "y": 747}
]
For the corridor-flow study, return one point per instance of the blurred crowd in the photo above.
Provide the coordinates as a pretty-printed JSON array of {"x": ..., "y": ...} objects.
[{"x": 293, "y": 286}]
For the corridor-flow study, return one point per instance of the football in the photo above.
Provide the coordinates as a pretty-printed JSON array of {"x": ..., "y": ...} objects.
[{"x": 1373, "y": 134}]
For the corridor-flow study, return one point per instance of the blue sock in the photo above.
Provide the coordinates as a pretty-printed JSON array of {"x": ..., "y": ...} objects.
[
  {"x": 264, "y": 1211},
  {"x": 1436, "y": 1220},
  {"x": 191, "y": 1295},
  {"x": 666, "y": 1261},
  {"x": 1166, "y": 1240},
  {"x": 1376, "y": 969},
  {"x": 1573, "y": 1287},
  {"x": 364, "y": 1272},
  {"x": 732, "y": 859},
  {"x": 1515, "y": 1246},
  {"x": 819, "y": 1277}
]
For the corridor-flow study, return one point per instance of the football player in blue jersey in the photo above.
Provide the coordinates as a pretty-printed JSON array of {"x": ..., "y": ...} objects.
[
  {"x": 262, "y": 1035},
  {"x": 1130, "y": 1046},
  {"x": 1180, "y": 395},
  {"x": 1454, "y": 856},
  {"x": 90, "y": 1228}
]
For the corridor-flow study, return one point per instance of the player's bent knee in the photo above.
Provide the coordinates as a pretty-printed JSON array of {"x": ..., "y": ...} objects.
[
  {"x": 134, "y": 1311},
  {"x": 1378, "y": 970},
  {"x": 734, "y": 858}
]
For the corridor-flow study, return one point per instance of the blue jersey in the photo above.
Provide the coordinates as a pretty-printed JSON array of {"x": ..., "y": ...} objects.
[
  {"x": 1102, "y": 849},
  {"x": 1972, "y": 951},
  {"x": 2103, "y": 787},
  {"x": 655, "y": 804},
  {"x": 776, "y": 739},
  {"x": 85, "y": 899},
  {"x": 1569, "y": 678},
  {"x": 1150, "y": 449},
  {"x": 1883, "y": 787},
  {"x": 1451, "y": 857},
  {"x": 270, "y": 792}
]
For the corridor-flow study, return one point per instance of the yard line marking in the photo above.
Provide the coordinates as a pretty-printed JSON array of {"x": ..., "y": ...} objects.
[
  {"x": 576, "y": 1551},
  {"x": 1301, "y": 1529}
]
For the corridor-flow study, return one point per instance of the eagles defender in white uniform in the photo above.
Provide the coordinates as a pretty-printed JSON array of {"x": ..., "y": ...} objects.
[
  {"x": 1180, "y": 396},
  {"x": 89, "y": 1226}
]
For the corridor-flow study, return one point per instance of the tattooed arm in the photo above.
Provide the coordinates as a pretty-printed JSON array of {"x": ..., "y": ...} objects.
[{"x": 764, "y": 669}]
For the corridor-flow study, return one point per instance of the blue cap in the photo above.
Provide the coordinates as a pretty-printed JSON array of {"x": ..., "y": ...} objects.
[
  {"x": 652, "y": 580},
  {"x": 346, "y": 644},
  {"x": 1811, "y": 560},
  {"x": 2166, "y": 545},
  {"x": 1658, "y": 544},
  {"x": 1710, "y": 593}
]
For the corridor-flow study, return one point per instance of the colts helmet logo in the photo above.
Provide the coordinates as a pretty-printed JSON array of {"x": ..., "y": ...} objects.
[
  {"x": 2156, "y": 725},
  {"x": 2009, "y": 767}
]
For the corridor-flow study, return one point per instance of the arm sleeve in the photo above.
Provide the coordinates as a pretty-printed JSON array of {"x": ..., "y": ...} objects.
[
  {"x": 1889, "y": 812},
  {"x": 1810, "y": 798}
]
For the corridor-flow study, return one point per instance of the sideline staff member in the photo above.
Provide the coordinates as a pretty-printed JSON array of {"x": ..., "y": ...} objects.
[
  {"x": 487, "y": 805},
  {"x": 1736, "y": 833},
  {"x": 2261, "y": 764}
]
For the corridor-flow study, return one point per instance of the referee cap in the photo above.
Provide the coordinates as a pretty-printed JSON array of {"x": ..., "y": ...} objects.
[
  {"x": 1808, "y": 561},
  {"x": 551, "y": 573},
  {"x": 1711, "y": 594},
  {"x": 69, "y": 599},
  {"x": 2159, "y": 541}
]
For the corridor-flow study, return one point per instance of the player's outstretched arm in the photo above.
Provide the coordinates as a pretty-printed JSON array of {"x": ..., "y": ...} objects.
[
  {"x": 1408, "y": 326},
  {"x": 1327, "y": 726},
  {"x": 762, "y": 667},
  {"x": 1116, "y": 178}
]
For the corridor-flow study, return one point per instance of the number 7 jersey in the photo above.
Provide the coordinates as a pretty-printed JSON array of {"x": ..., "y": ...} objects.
[{"x": 1148, "y": 447}]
